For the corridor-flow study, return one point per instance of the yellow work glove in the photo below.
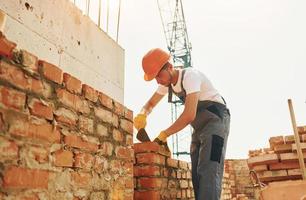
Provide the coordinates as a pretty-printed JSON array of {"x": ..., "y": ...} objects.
[
  {"x": 161, "y": 139},
  {"x": 140, "y": 121}
]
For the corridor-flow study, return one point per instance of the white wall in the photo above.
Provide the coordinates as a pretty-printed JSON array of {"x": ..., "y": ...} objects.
[{"x": 58, "y": 32}]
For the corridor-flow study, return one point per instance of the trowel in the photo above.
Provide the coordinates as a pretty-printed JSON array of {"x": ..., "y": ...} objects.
[{"x": 142, "y": 135}]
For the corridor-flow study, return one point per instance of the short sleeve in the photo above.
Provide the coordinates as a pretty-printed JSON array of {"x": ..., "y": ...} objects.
[
  {"x": 162, "y": 90},
  {"x": 192, "y": 82}
]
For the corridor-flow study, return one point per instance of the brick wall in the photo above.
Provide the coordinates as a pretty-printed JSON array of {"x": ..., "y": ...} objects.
[
  {"x": 279, "y": 161},
  {"x": 236, "y": 181},
  {"x": 157, "y": 176},
  {"x": 59, "y": 138}
]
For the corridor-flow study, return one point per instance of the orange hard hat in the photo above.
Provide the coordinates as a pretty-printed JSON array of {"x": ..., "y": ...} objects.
[{"x": 153, "y": 61}]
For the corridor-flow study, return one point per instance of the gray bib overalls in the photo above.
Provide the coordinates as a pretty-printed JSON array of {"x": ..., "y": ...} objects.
[{"x": 208, "y": 146}]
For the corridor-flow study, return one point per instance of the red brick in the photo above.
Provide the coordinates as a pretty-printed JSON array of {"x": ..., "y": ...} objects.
[
  {"x": 16, "y": 76},
  {"x": 116, "y": 165},
  {"x": 35, "y": 154},
  {"x": 27, "y": 197},
  {"x": 41, "y": 109},
  {"x": 277, "y": 140},
  {"x": 41, "y": 88},
  {"x": 179, "y": 174},
  {"x": 184, "y": 194},
  {"x": 165, "y": 171},
  {"x": 129, "y": 183},
  {"x": 289, "y": 157},
  {"x": 72, "y": 84},
  {"x": 73, "y": 101},
  {"x": 11, "y": 98},
  {"x": 128, "y": 114},
  {"x": 102, "y": 130},
  {"x": 63, "y": 158},
  {"x": 301, "y": 129},
  {"x": 106, "y": 100},
  {"x": 78, "y": 142},
  {"x": 172, "y": 162},
  {"x": 22, "y": 178},
  {"x": 278, "y": 166},
  {"x": 148, "y": 170},
  {"x": 258, "y": 168},
  {"x": 128, "y": 167},
  {"x": 84, "y": 160},
  {"x": 119, "y": 109},
  {"x": 90, "y": 93},
  {"x": 86, "y": 124},
  {"x": 150, "y": 158},
  {"x": 125, "y": 153},
  {"x": 272, "y": 175},
  {"x": 183, "y": 183},
  {"x": 283, "y": 148},
  {"x": 81, "y": 179},
  {"x": 150, "y": 147},
  {"x": 100, "y": 164},
  {"x": 8, "y": 149},
  {"x": 2, "y": 124},
  {"x": 107, "y": 116},
  {"x": 29, "y": 60},
  {"x": 51, "y": 72},
  {"x": 263, "y": 159},
  {"x": 183, "y": 165},
  {"x": 289, "y": 139},
  {"x": 302, "y": 146},
  {"x": 106, "y": 148},
  {"x": 65, "y": 116},
  {"x": 145, "y": 195},
  {"x": 24, "y": 128},
  {"x": 117, "y": 135},
  {"x": 149, "y": 183},
  {"x": 129, "y": 140},
  {"x": 126, "y": 125},
  {"x": 6, "y": 46},
  {"x": 189, "y": 175}
]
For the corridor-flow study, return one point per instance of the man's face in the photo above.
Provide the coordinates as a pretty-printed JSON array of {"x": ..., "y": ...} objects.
[{"x": 164, "y": 77}]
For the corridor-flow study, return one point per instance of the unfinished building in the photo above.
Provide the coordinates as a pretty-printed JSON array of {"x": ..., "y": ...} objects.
[{"x": 65, "y": 133}]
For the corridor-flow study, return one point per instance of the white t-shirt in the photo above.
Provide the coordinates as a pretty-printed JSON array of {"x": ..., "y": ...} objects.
[{"x": 194, "y": 81}]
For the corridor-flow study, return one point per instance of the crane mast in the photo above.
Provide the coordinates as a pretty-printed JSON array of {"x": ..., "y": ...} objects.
[{"x": 174, "y": 26}]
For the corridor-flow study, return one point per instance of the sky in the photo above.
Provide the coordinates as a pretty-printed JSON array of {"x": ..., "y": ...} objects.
[{"x": 253, "y": 51}]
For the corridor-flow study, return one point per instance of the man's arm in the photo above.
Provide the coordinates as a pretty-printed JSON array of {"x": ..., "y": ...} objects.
[
  {"x": 151, "y": 103},
  {"x": 187, "y": 116}
]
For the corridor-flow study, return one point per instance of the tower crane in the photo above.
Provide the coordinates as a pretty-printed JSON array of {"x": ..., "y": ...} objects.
[{"x": 175, "y": 30}]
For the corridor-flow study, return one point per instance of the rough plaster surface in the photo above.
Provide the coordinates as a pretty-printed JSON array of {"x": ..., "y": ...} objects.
[{"x": 59, "y": 33}]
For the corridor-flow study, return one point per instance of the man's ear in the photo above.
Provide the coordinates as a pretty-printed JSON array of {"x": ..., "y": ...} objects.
[{"x": 170, "y": 66}]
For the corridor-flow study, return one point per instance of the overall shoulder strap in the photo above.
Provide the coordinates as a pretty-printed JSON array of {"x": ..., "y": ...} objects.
[
  {"x": 182, "y": 79},
  {"x": 170, "y": 90}
]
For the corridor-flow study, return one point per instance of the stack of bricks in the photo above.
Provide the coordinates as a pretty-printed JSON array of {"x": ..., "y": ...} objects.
[
  {"x": 157, "y": 176},
  {"x": 237, "y": 184},
  {"x": 59, "y": 138},
  {"x": 280, "y": 161}
]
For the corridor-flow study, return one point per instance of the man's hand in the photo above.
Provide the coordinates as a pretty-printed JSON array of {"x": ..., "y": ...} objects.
[
  {"x": 161, "y": 139},
  {"x": 140, "y": 121}
]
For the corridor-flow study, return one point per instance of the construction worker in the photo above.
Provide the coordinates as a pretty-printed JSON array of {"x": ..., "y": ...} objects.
[{"x": 204, "y": 109}]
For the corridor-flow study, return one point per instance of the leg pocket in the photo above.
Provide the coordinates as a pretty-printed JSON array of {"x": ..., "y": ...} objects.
[{"x": 216, "y": 148}]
